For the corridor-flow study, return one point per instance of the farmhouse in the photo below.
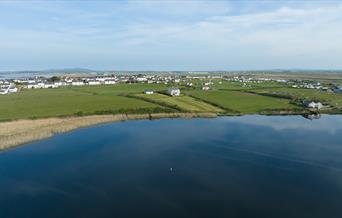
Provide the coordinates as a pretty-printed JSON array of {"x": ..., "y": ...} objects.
[
  {"x": 313, "y": 105},
  {"x": 148, "y": 92},
  {"x": 173, "y": 91}
]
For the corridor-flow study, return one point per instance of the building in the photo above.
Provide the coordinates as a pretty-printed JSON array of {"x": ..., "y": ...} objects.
[
  {"x": 8, "y": 89},
  {"x": 313, "y": 105},
  {"x": 205, "y": 88},
  {"x": 12, "y": 89},
  {"x": 49, "y": 86},
  {"x": 94, "y": 82},
  {"x": 338, "y": 90},
  {"x": 3, "y": 91},
  {"x": 148, "y": 92},
  {"x": 173, "y": 91},
  {"x": 77, "y": 83},
  {"x": 109, "y": 82}
]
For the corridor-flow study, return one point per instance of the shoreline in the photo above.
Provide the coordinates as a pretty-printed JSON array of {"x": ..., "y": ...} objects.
[{"x": 19, "y": 132}]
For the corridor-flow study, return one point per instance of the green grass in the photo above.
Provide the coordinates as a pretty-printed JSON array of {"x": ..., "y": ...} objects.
[
  {"x": 220, "y": 84},
  {"x": 185, "y": 103},
  {"x": 85, "y": 100},
  {"x": 69, "y": 101},
  {"x": 333, "y": 99},
  {"x": 242, "y": 102},
  {"x": 119, "y": 89}
]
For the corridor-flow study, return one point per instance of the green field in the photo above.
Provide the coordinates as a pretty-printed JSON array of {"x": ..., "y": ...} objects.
[
  {"x": 332, "y": 99},
  {"x": 242, "y": 102},
  {"x": 225, "y": 97},
  {"x": 183, "y": 102},
  {"x": 71, "y": 100}
]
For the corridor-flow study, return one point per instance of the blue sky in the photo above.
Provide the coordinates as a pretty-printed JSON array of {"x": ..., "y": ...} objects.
[{"x": 170, "y": 35}]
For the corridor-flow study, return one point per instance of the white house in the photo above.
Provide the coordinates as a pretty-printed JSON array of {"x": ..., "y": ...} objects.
[
  {"x": 141, "y": 79},
  {"x": 313, "y": 105},
  {"x": 92, "y": 83},
  {"x": 109, "y": 82},
  {"x": 3, "y": 91},
  {"x": 148, "y": 92},
  {"x": 32, "y": 86},
  {"x": 77, "y": 83},
  {"x": 49, "y": 86},
  {"x": 12, "y": 89},
  {"x": 205, "y": 88},
  {"x": 173, "y": 91}
]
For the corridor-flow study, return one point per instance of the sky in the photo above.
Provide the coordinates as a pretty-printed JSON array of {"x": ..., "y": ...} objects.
[{"x": 170, "y": 35}]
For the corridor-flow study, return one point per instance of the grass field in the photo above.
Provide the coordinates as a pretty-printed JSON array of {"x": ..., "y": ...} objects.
[
  {"x": 333, "y": 99},
  {"x": 242, "y": 102},
  {"x": 112, "y": 99},
  {"x": 118, "y": 89},
  {"x": 70, "y": 101},
  {"x": 185, "y": 103}
]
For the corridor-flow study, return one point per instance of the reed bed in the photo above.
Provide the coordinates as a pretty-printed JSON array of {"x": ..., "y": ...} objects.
[{"x": 14, "y": 133}]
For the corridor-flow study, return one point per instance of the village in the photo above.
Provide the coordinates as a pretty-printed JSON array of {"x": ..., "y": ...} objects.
[{"x": 204, "y": 82}]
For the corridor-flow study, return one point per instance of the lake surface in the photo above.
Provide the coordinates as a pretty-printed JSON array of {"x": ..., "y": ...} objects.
[{"x": 250, "y": 166}]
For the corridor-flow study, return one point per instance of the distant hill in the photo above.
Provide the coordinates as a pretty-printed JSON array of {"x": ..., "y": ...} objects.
[{"x": 69, "y": 70}]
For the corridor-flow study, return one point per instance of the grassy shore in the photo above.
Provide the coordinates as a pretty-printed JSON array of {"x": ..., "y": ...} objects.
[
  {"x": 13, "y": 133},
  {"x": 35, "y": 114}
]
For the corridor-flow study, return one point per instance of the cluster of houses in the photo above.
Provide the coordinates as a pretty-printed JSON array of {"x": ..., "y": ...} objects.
[
  {"x": 308, "y": 85},
  {"x": 7, "y": 87},
  {"x": 44, "y": 83},
  {"x": 316, "y": 85},
  {"x": 244, "y": 79}
]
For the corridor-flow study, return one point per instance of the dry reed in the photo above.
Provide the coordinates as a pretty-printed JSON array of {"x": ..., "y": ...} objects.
[{"x": 18, "y": 132}]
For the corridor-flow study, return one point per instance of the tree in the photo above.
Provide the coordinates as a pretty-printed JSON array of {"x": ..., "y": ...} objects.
[{"x": 55, "y": 79}]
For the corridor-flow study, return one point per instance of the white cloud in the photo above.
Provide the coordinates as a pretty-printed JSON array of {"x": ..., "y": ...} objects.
[{"x": 286, "y": 36}]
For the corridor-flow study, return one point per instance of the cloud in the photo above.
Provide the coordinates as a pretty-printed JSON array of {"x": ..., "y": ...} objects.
[{"x": 198, "y": 34}]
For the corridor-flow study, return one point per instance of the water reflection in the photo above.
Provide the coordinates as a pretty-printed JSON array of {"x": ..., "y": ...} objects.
[{"x": 250, "y": 166}]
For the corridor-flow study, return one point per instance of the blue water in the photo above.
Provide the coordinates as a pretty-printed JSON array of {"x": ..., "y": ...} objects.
[{"x": 250, "y": 166}]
